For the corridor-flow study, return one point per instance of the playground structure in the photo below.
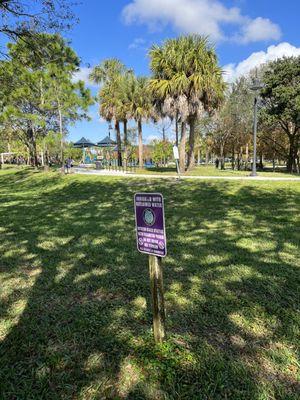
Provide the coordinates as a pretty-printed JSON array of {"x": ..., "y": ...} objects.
[{"x": 103, "y": 154}]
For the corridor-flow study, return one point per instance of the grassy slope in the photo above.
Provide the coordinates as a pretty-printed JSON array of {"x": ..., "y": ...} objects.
[{"x": 75, "y": 318}]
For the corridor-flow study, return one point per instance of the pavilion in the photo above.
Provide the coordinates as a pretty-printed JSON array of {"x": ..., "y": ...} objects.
[
  {"x": 106, "y": 142},
  {"x": 84, "y": 143}
]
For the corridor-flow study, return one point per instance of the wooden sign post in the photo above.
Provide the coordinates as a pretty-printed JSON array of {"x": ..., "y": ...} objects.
[
  {"x": 151, "y": 240},
  {"x": 158, "y": 303}
]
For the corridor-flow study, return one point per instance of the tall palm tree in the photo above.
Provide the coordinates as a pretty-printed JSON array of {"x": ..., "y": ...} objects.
[
  {"x": 109, "y": 74},
  {"x": 124, "y": 106},
  {"x": 139, "y": 106},
  {"x": 188, "y": 80}
]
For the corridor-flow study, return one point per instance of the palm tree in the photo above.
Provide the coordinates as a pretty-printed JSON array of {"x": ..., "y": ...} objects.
[
  {"x": 188, "y": 81},
  {"x": 110, "y": 74},
  {"x": 107, "y": 71},
  {"x": 124, "y": 106},
  {"x": 140, "y": 106}
]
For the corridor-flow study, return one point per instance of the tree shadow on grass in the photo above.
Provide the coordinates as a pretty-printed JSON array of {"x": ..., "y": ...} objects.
[{"x": 84, "y": 330}]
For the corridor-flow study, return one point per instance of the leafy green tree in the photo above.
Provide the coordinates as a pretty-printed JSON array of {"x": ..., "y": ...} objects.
[
  {"x": 232, "y": 123},
  {"x": 22, "y": 19},
  {"x": 281, "y": 96},
  {"x": 186, "y": 74},
  {"x": 39, "y": 95},
  {"x": 3, "y": 144},
  {"x": 73, "y": 153},
  {"x": 161, "y": 151}
]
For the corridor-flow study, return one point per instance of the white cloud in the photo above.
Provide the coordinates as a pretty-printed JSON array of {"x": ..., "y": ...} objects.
[
  {"x": 83, "y": 75},
  {"x": 205, "y": 17},
  {"x": 260, "y": 29},
  {"x": 233, "y": 71},
  {"x": 138, "y": 43}
]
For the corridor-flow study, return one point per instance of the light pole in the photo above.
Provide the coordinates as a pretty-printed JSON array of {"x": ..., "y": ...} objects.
[{"x": 255, "y": 87}]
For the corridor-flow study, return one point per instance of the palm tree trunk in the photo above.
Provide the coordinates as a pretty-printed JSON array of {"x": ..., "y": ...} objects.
[
  {"x": 182, "y": 147},
  {"x": 140, "y": 139},
  {"x": 191, "y": 151},
  {"x": 119, "y": 144},
  {"x": 125, "y": 142},
  {"x": 176, "y": 129}
]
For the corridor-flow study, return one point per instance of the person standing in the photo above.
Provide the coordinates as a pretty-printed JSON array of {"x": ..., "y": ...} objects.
[{"x": 68, "y": 165}]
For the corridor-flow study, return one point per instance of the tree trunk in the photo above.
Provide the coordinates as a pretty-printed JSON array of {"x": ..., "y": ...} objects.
[
  {"x": 199, "y": 156},
  {"x": 46, "y": 159},
  {"x": 176, "y": 129},
  {"x": 140, "y": 141},
  {"x": 119, "y": 143},
  {"x": 182, "y": 148},
  {"x": 60, "y": 121},
  {"x": 206, "y": 155},
  {"x": 261, "y": 163},
  {"x": 247, "y": 156},
  {"x": 233, "y": 155},
  {"x": 125, "y": 142},
  {"x": 32, "y": 148},
  {"x": 297, "y": 164},
  {"x": 239, "y": 159},
  {"x": 292, "y": 156},
  {"x": 222, "y": 156},
  {"x": 191, "y": 151}
]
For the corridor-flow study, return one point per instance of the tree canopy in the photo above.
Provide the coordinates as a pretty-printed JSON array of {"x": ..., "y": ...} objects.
[
  {"x": 186, "y": 81},
  {"x": 38, "y": 94},
  {"x": 281, "y": 95},
  {"x": 20, "y": 19}
]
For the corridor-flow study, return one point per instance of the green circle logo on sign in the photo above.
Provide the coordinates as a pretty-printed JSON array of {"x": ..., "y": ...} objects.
[{"x": 149, "y": 217}]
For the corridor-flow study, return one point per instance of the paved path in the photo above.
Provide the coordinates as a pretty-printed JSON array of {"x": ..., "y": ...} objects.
[{"x": 156, "y": 176}]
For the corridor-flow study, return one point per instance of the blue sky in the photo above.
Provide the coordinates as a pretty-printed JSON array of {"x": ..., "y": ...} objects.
[{"x": 246, "y": 33}]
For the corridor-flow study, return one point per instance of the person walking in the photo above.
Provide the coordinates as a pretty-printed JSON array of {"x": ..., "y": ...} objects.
[{"x": 68, "y": 165}]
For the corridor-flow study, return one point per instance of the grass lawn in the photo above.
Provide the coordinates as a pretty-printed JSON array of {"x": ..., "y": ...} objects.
[
  {"x": 75, "y": 313},
  {"x": 210, "y": 170}
]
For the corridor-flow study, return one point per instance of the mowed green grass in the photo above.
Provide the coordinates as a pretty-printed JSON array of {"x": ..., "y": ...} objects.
[{"x": 75, "y": 311}]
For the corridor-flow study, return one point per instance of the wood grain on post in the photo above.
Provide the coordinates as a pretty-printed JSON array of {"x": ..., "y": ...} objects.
[{"x": 158, "y": 304}]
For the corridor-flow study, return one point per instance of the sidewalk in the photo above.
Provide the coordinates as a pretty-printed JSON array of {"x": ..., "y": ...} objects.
[{"x": 157, "y": 176}]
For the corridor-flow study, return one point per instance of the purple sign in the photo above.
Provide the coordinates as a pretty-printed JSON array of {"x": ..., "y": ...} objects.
[{"x": 150, "y": 224}]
